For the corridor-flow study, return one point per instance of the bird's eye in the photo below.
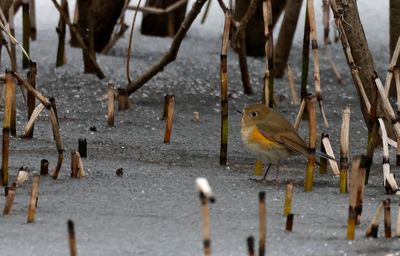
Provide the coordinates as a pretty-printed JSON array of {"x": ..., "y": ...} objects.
[{"x": 253, "y": 114}]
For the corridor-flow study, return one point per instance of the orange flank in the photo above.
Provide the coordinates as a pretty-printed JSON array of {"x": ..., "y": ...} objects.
[{"x": 256, "y": 136}]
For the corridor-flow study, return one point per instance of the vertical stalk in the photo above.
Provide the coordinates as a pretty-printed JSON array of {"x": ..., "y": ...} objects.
[
  {"x": 61, "y": 30},
  {"x": 354, "y": 184},
  {"x": 13, "y": 122},
  {"x": 263, "y": 223},
  {"x": 6, "y": 129},
  {"x": 305, "y": 56},
  {"x": 71, "y": 238},
  {"x": 32, "y": 19},
  {"x": 26, "y": 29},
  {"x": 9, "y": 200},
  {"x": 344, "y": 149},
  {"x": 170, "y": 116},
  {"x": 250, "y": 246},
  {"x": 224, "y": 90},
  {"x": 387, "y": 218},
  {"x": 110, "y": 105},
  {"x": 326, "y": 17},
  {"x": 288, "y": 198},
  {"x": 312, "y": 129},
  {"x": 268, "y": 96},
  {"x": 33, "y": 198},
  {"x": 12, "y": 31}
]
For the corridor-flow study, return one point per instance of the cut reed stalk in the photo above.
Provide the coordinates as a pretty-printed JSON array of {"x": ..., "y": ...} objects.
[
  {"x": 289, "y": 222},
  {"x": 71, "y": 238},
  {"x": 263, "y": 223},
  {"x": 110, "y": 105},
  {"x": 361, "y": 186},
  {"x": 9, "y": 200},
  {"x": 224, "y": 90},
  {"x": 33, "y": 199},
  {"x": 82, "y": 147},
  {"x": 312, "y": 141},
  {"x": 344, "y": 149},
  {"x": 170, "y": 118},
  {"x": 44, "y": 167},
  {"x": 288, "y": 198},
  {"x": 387, "y": 218},
  {"x": 354, "y": 184},
  {"x": 206, "y": 195},
  {"x": 373, "y": 226},
  {"x": 6, "y": 129},
  {"x": 123, "y": 99},
  {"x": 250, "y": 246}
]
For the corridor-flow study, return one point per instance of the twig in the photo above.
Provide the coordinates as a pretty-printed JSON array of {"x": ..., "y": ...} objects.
[
  {"x": 329, "y": 152},
  {"x": 71, "y": 238},
  {"x": 172, "y": 52},
  {"x": 170, "y": 117},
  {"x": 80, "y": 41}
]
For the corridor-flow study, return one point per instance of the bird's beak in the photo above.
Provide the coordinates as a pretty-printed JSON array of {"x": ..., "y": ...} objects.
[{"x": 240, "y": 112}]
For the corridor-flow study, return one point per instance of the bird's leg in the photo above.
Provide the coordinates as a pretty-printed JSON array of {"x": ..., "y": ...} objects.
[
  {"x": 264, "y": 178},
  {"x": 277, "y": 172},
  {"x": 266, "y": 172}
]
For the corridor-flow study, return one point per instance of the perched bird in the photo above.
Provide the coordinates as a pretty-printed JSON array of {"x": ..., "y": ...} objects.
[{"x": 270, "y": 136}]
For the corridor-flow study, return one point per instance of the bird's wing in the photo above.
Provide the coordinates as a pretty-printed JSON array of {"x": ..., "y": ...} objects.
[{"x": 282, "y": 132}]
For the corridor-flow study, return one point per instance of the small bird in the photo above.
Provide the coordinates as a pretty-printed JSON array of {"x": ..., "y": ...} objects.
[{"x": 270, "y": 136}]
